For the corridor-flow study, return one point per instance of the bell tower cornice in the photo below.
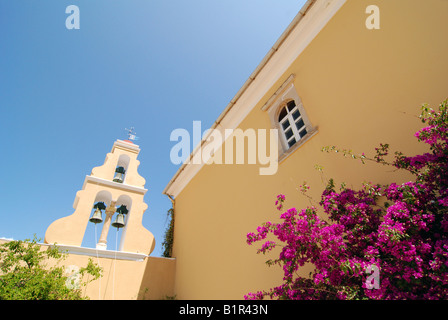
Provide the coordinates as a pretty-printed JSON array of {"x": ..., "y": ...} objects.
[
  {"x": 107, "y": 183},
  {"x": 126, "y": 145}
]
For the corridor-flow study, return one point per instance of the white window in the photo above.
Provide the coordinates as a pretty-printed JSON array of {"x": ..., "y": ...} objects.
[
  {"x": 292, "y": 124},
  {"x": 287, "y": 114}
]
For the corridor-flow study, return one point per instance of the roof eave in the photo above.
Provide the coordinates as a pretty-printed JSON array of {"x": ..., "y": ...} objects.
[{"x": 294, "y": 23}]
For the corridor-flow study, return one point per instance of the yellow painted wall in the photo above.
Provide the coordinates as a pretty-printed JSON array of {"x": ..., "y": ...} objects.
[
  {"x": 360, "y": 88},
  {"x": 121, "y": 278},
  {"x": 158, "y": 279},
  {"x": 150, "y": 279}
]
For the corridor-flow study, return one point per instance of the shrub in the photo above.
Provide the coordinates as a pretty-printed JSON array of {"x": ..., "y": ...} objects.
[
  {"x": 24, "y": 274},
  {"x": 403, "y": 239}
]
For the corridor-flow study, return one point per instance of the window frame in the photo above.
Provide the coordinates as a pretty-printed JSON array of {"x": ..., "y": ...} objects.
[
  {"x": 285, "y": 94},
  {"x": 292, "y": 120}
]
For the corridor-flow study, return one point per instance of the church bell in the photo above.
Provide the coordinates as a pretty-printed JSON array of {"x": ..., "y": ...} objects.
[
  {"x": 119, "y": 220},
  {"x": 97, "y": 215},
  {"x": 119, "y": 175}
]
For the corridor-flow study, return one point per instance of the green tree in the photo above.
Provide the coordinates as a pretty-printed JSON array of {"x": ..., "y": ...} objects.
[{"x": 25, "y": 275}]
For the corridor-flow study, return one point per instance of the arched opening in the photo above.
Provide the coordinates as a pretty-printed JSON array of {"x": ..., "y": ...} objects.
[
  {"x": 93, "y": 230},
  {"x": 117, "y": 234},
  {"x": 121, "y": 168}
]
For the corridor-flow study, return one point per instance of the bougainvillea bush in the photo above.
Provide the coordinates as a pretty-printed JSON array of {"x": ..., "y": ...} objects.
[{"x": 379, "y": 242}]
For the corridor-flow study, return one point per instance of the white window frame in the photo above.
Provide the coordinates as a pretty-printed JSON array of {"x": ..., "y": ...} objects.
[
  {"x": 275, "y": 104},
  {"x": 292, "y": 124}
]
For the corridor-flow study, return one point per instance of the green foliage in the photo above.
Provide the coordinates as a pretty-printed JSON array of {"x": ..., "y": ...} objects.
[
  {"x": 25, "y": 275},
  {"x": 169, "y": 236}
]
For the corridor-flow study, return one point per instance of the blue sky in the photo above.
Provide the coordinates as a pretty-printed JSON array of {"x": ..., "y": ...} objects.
[{"x": 67, "y": 95}]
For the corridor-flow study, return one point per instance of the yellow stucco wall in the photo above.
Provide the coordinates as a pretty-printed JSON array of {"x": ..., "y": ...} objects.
[
  {"x": 158, "y": 279},
  {"x": 360, "y": 88},
  {"x": 121, "y": 279}
]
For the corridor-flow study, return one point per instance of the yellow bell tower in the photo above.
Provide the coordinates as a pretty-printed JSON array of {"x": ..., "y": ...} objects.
[{"x": 114, "y": 192}]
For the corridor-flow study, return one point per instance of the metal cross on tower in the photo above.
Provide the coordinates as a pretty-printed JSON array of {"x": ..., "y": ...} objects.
[{"x": 131, "y": 134}]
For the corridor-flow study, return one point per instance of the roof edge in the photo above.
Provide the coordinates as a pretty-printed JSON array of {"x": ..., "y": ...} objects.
[{"x": 294, "y": 23}]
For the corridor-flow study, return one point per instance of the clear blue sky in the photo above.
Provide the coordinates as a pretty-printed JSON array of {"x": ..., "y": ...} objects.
[{"x": 67, "y": 95}]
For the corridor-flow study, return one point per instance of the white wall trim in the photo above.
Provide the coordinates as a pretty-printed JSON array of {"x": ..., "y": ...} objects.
[{"x": 110, "y": 254}]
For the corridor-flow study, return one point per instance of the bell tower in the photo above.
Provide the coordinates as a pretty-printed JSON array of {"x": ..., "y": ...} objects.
[{"x": 111, "y": 197}]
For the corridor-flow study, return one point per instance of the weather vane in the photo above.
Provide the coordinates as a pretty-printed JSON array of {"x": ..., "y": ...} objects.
[{"x": 131, "y": 134}]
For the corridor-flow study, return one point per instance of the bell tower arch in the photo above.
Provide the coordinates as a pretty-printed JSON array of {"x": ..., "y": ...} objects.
[{"x": 112, "y": 196}]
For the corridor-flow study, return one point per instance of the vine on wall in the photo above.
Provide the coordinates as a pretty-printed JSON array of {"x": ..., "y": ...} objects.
[{"x": 169, "y": 236}]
